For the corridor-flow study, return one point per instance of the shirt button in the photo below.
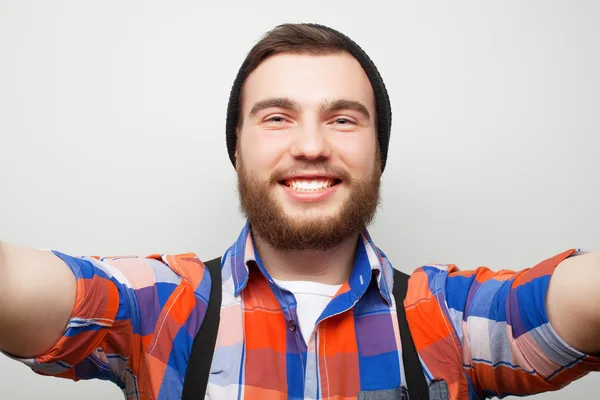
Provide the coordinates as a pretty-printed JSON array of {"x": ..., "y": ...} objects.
[{"x": 292, "y": 325}]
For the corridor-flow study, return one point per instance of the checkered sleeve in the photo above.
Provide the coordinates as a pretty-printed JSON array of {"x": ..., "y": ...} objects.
[
  {"x": 120, "y": 304},
  {"x": 508, "y": 345}
]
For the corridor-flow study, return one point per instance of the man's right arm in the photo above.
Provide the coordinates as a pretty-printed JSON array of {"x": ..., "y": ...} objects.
[
  {"x": 122, "y": 319},
  {"x": 37, "y": 294}
]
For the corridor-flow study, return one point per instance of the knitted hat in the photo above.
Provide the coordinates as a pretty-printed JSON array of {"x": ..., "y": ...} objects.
[{"x": 382, "y": 101}]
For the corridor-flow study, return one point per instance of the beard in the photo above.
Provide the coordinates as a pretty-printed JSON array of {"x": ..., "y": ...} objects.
[{"x": 310, "y": 230}]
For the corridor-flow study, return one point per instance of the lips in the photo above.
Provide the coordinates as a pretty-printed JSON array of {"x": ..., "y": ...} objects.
[{"x": 310, "y": 189}]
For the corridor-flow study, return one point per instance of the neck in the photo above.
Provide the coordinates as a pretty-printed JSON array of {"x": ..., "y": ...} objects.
[{"x": 332, "y": 266}]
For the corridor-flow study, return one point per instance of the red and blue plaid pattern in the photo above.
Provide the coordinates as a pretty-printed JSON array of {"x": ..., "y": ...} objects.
[{"x": 483, "y": 333}]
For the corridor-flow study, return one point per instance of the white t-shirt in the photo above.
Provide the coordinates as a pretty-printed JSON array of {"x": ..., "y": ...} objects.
[{"x": 311, "y": 299}]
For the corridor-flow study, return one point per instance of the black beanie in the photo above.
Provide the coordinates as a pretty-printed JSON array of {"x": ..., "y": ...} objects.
[{"x": 382, "y": 100}]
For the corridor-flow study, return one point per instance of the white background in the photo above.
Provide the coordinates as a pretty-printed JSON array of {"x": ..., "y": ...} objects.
[{"x": 112, "y": 120}]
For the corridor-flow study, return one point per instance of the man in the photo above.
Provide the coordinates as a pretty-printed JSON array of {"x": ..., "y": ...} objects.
[{"x": 306, "y": 310}]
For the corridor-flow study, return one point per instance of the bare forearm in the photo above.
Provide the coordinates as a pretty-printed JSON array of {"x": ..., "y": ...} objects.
[
  {"x": 37, "y": 293},
  {"x": 573, "y": 302}
]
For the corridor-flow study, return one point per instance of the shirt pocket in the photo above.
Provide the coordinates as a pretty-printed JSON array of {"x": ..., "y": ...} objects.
[
  {"x": 384, "y": 394},
  {"x": 438, "y": 390}
]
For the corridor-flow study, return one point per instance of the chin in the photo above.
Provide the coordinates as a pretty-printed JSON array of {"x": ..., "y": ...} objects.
[
  {"x": 309, "y": 216},
  {"x": 311, "y": 212}
]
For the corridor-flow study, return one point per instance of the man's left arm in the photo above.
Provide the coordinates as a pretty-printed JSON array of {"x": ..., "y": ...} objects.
[
  {"x": 573, "y": 302},
  {"x": 510, "y": 345}
]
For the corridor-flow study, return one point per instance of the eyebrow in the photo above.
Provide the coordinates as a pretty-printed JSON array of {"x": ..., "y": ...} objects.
[
  {"x": 278, "y": 102},
  {"x": 292, "y": 105},
  {"x": 343, "y": 104}
]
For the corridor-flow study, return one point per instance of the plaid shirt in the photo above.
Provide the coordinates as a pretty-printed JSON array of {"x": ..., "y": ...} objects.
[{"x": 478, "y": 333}]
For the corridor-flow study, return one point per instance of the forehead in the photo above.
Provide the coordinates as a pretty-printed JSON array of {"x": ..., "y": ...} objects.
[{"x": 309, "y": 79}]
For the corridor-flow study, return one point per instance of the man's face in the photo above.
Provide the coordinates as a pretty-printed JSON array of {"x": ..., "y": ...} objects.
[{"x": 307, "y": 158}]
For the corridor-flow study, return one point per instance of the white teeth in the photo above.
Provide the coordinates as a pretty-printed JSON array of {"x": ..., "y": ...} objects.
[{"x": 309, "y": 185}]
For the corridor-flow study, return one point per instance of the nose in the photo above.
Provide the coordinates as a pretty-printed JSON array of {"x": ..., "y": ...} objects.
[{"x": 311, "y": 143}]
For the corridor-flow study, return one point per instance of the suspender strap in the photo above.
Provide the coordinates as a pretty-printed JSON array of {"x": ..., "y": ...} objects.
[
  {"x": 415, "y": 377},
  {"x": 198, "y": 370}
]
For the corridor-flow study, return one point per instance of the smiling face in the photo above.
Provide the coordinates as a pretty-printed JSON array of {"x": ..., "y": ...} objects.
[{"x": 307, "y": 156}]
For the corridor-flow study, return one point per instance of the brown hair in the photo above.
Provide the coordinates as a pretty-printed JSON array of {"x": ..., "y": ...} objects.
[{"x": 295, "y": 38}]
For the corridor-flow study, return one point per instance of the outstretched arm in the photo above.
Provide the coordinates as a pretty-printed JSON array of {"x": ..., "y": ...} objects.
[
  {"x": 573, "y": 302},
  {"x": 509, "y": 344}
]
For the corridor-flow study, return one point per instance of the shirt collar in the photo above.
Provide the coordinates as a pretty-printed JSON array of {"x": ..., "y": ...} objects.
[{"x": 370, "y": 262}]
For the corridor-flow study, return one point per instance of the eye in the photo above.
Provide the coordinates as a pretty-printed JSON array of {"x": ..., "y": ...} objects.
[
  {"x": 344, "y": 121},
  {"x": 277, "y": 119}
]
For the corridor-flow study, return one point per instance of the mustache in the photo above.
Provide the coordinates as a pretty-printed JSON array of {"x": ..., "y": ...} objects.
[{"x": 298, "y": 169}]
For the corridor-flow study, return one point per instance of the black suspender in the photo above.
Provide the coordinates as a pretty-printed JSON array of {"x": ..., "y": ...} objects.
[
  {"x": 198, "y": 370},
  {"x": 415, "y": 378}
]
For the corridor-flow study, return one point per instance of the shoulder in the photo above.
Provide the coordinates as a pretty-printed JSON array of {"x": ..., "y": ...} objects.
[
  {"x": 167, "y": 278},
  {"x": 154, "y": 268},
  {"x": 171, "y": 293},
  {"x": 190, "y": 268},
  {"x": 429, "y": 280}
]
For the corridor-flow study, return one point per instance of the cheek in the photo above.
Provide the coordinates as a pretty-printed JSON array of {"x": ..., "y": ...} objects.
[
  {"x": 261, "y": 153},
  {"x": 357, "y": 155}
]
